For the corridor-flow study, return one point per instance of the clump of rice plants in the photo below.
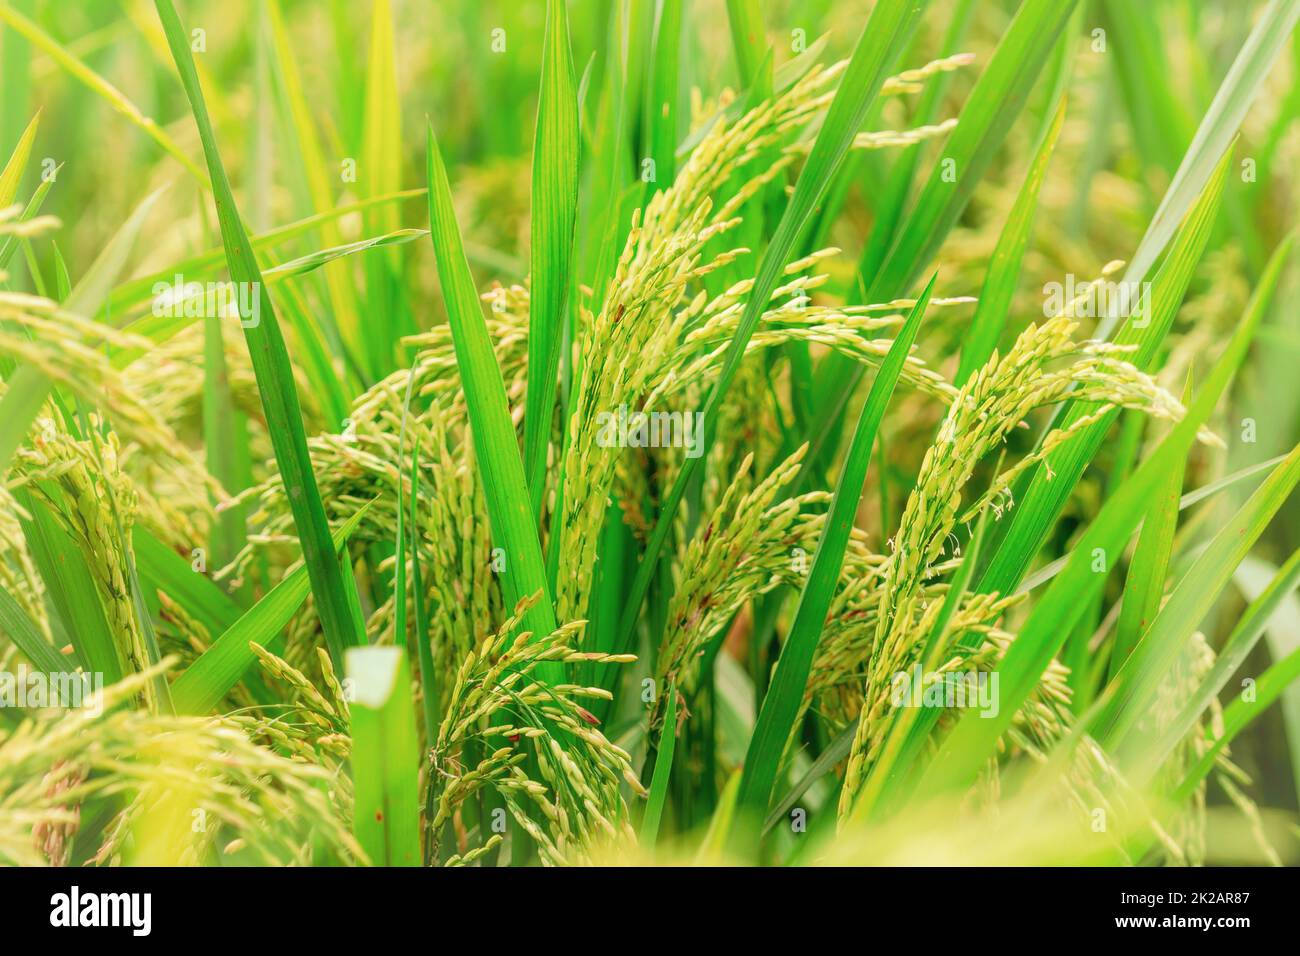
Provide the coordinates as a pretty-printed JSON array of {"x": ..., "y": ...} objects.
[{"x": 649, "y": 432}]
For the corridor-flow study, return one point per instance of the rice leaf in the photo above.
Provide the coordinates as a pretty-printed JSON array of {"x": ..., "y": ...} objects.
[
  {"x": 747, "y": 37},
  {"x": 1004, "y": 268},
  {"x": 385, "y": 756},
  {"x": 1238, "y": 715},
  {"x": 496, "y": 449},
  {"x": 22, "y": 630},
  {"x": 654, "y": 806},
  {"x": 315, "y": 177},
  {"x": 272, "y": 369},
  {"x": 1130, "y": 694},
  {"x": 70, "y": 588},
  {"x": 12, "y": 175},
  {"x": 1213, "y": 137},
  {"x": 1256, "y": 578},
  {"x": 201, "y": 686},
  {"x": 554, "y": 209},
  {"x": 381, "y": 172},
  {"x": 1144, "y": 587},
  {"x": 1252, "y": 624},
  {"x": 162, "y": 569}
]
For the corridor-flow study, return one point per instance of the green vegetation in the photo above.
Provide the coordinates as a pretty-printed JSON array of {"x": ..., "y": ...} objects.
[{"x": 652, "y": 431}]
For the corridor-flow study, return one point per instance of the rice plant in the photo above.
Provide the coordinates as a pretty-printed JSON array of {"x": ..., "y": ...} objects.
[{"x": 577, "y": 432}]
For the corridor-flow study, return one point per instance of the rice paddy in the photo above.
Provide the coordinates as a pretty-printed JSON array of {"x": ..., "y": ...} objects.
[{"x": 692, "y": 432}]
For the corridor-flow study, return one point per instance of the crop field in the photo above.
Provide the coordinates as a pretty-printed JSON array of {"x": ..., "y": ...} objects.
[{"x": 649, "y": 432}]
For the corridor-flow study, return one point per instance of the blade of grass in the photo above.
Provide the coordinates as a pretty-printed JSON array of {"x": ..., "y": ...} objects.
[
  {"x": 1144, "y": 587},
  {"x": 272, "y": 369},
  {"x": 162, "y": 569},
  {"x": 1238, "y": 715},
  {"x": 1132, "y": 691},
  {"x": 1254, "y": 577},
  {"x": 70, "y": 589},
  {"x": 381, "y": 172},
  {"x": 747, "y": 37},
  {"x": 496, "y": 448},
  {"x": 316, "y": 179},
  {"x": 1049, "y": 571},
  {"x": 385, "y": 756},
  {"x": 201, "y": 686},
  {"x": 654, "y": 807},
  {"x": 1004, "y": 267},
  {"x": 660, "y": 111},
  {"x": 138, "y": 291},
  {"x": 781, "y": 705},
  {"x": 1228, "y": 661},
  {"x": 21, "y": 629},
  {"x": 12, "y": 175},
  {"x": 554, "y": 210}
]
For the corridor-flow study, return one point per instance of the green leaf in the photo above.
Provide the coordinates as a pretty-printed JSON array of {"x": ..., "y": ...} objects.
[
  {"x": 272, "y": 369},
  {"x": 1132, "y": 692},
  {"x": 747, "y": 38},
  {"x": 202, "y": 685},
  {"x": 316, "y": 177},
  {"x": 1267, "y": 589},
  {"x": 660, "y": 111},
  {"x": 1229, "y": 659},
  {"x": 1238, "y": 715},
  {"x": 12, "y": 175},
  {"x": 654, "y": 807},
  {"x": 554, "y": 209},
  {"x": 782, "y": 703},
  {"x": 1144, "y": 587},
  {"x": 1004, "y": 268},
  {"x": 162, "y": 569},
  {"x": 22, "y": 630},
  {"x": 496, "y": 449},
  {"x": 381, "y": 172},
  {"x": 385, "y": 756},
  {"x": 70, "y": 588}
]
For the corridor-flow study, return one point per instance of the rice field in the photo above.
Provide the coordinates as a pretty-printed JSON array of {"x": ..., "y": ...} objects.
[{"x": 690, "y": 432}]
